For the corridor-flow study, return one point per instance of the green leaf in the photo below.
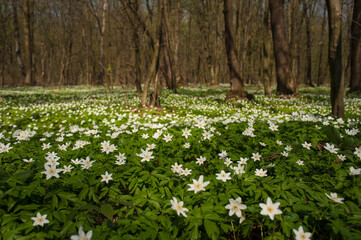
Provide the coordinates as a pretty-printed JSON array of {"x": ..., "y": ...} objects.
[
  {"x": 66, "y": 227},
  {"x": 333, "y": 135},
  {"x": 107, "y": 210},
  {"x": 211, "y": 229}
]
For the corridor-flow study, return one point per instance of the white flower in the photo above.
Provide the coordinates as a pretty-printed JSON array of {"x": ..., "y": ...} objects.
[
  {"x": 284, "y": 153},
  {"x": 51, "y": 171},
  {"x": 151, "y": 146},
  {"x": 121, "y": 156},
  {"x": 354, "y": 171},
  {"x": 262, "y": 144},
  {"x": 39, "y": 220},
  {"x": 242, "y": 161},
  {"x": 106, "y": 177},
  {"x": 28, "y": 160},
  {"x": 270, "y": 209},
  {"x": 62, "y": 147},
  {"x": 279, "y": 142},
  {"x": 76, "y": 161},
  {"x": 335, "y": 198},
  {"x": 120, "y": 162},
  {"x": 341, "y": 157},
  {"x": 307, "y": 145},
  {"x": 5, "y": 148},
  {"x": 145, "y": 136},
  {"x": 299, "y": 162},
  {"x": 331, "y": 148},
  {"x": 178, "y": 206},
  {"x": 248, "y": 132},
  {"x": 186, "y": 172},
  {"x": 177, "y": 168},
  {"x": 207, "y": 135},
  {"x": 228, "y": 162},
  {"x": 186, "y": 145},
  {"x": 241, "y": 219},
  {"x": 198, "y": 185},
  {"x": 201, "y": 160},
  {"x": 222, "y": 154},
  {"x": 67, "y": 168},
  {"x": 236, "y": 207},
  {"x": 86, "y": 164},
  {"x": 46, "y": 146},
  {"x": 223, "y": 176},
  {"x": 81, "y": 235},
  {"x": 301, "y": 235},
  {"x": 261, "y": 172},
  {"x": 358, "y": 151},
  {"x": 107, "y": 147},
  {"x": 145, "y": 155},
  {"x": 239, "y": 169},
  {"x": 186, "y": 133},
  {"x": 273, "y": 127},
  {"x": 168, "y": 138},
  {"x": 288, "y": 148},
  {"x": 256, "y": 156}
]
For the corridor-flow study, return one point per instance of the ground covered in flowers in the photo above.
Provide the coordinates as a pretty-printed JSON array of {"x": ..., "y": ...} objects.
[{"x": 83, "y": 162}]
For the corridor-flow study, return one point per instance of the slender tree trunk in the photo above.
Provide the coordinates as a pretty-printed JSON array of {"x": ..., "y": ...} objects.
[
  {"x": 101, "y": 46},
  {"x": 307, "y": 15},
  {"x": 27, "y": 44},
  {"x": 355, "y": 82},
  {"x": 285, "y": 81},
  {"x": 153, "y": 67},
  {"x": 17, "y": 39},
  {"x": 138, "y": 70},
  {"x": 165, "y": 54},
  {"x": 237, "y": 87},
  {"x": 320, "y": 74},
  {"x": 32, "y": 43},
  {"x": 43, "y": 56},
  {"x": 266, "y": 51},
  {"x": 335, "y": 57},
  {"x": 294, "y": 38}
]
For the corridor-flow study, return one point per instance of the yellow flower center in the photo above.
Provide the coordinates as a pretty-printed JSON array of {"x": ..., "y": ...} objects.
[{"x": 270, "y": 209}]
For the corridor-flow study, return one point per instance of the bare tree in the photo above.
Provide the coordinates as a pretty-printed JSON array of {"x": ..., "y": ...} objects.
[
  {"x": 101, "y": 22},
  {"x": 266, "y": 50},
  {"x": 285, "y": 81},
  {"x": 308, "y": 9},
  {"x": 27, "y": 44},
  {"x": 355, "y": 82},
  {"x": 320, "y": 73},
  {"x": 17, "y": 38},
  {"x": 237, "y": 87},
  {"x": 335, "y": 57},
  {"x": 154, "y": 64}
]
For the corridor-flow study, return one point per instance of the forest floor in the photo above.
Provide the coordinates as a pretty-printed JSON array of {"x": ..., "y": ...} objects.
[{"x": 86, "y": 158}]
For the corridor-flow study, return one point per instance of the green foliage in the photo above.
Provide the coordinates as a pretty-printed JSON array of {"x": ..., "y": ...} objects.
[{"x": 135, "y": 202}]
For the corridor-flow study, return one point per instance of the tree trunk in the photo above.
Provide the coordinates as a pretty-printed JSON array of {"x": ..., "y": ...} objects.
[
  {"x": 355, "y": 82},
  {"x": 101, "y": 46},
  {"x": 285, "y": 81},
  {"x": 266, "y": 51},
  {"x": 307, "y": 16},
  {"x": 335, "y": 57},
  {"x": 237, "y": 89},
  {"x": 320, "y": 75},
  {"x": 17, "y": 39},
  {"x": 27, "y": 45},
  {"x": 154, "y": 65}
]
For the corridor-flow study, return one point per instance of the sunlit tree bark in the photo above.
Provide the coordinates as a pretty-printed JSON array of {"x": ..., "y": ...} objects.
[
  {"x": 285, "y": 81},
  {"x": 237, "y": 87}
]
